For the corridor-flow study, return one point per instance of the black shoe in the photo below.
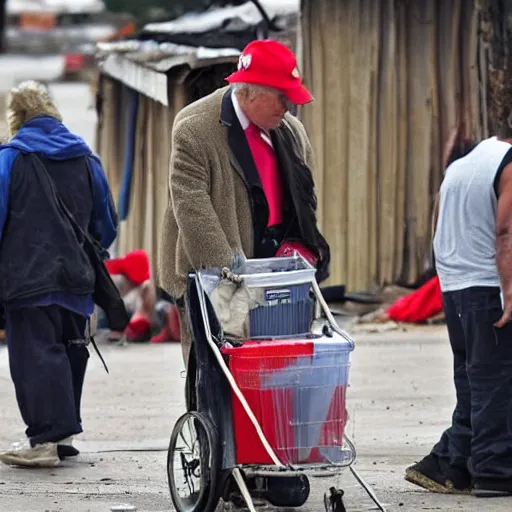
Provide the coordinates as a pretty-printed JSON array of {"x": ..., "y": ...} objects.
[
  {"x": 435, "y": 476},
  {"x": 289, "y": 491},
  {"x": 491, "y": 488},
  {"x": 66, "y": 449}
]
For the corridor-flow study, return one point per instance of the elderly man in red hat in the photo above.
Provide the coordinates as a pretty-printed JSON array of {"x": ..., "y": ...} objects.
[
  {"x": 241, "y": 181},
  {"x": 241, "y": 185}
]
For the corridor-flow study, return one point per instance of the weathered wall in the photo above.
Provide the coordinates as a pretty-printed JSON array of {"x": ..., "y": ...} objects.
[{"x": 391, "y": 80}]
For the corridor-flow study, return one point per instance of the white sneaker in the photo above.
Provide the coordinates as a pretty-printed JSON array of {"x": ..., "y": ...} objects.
[{"x": 38, "y": 456}]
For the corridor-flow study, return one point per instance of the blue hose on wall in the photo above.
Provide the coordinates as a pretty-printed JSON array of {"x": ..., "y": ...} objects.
[{"x": 126, "y": 187}]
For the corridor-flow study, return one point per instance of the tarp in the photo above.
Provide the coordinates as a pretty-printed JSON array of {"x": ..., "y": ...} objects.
[
  {"x": 418, "y": 306},
  {"x": 126, "y": 188},
  {"x": 246, "y": 14}
]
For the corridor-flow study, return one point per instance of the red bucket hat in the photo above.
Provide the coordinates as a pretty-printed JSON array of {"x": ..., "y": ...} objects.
[{"x": 270, "y": 63}]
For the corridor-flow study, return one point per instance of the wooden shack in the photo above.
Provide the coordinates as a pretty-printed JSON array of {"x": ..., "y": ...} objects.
[{"x": 391, "y": 80}]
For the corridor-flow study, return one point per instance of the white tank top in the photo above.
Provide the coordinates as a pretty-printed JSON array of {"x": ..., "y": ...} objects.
[{"x": 465, "y": 239}]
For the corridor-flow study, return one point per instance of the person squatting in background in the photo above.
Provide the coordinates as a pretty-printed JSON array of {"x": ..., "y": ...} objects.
[
  {"x": 46, "y": 277},
  {"x": 153, "y": 315}
]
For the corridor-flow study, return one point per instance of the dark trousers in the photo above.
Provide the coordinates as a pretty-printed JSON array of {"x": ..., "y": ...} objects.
[
  {"x": 480, "y": 438},
  {"x": 48, "y": 359}
]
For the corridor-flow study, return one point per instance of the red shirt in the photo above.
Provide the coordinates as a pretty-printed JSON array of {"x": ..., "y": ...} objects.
[{"x": 266, "y": 163}]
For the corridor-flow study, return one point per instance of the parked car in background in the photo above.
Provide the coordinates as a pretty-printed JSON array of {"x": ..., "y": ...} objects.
[{"x": 61, "y": 32}]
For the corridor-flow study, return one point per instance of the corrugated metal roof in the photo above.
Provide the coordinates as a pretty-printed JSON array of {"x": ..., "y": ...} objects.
[
  {"x": 142, "y": 65},
  {"x": 151, "y": 51},
  {"x": 147, "y": 81}
]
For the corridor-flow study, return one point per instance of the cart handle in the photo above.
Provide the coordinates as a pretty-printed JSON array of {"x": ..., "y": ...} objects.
[
  {"x": 229, "y": 376},
  {"x": 330, "y": 317}
]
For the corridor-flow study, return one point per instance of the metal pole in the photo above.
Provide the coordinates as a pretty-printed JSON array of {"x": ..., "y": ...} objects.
[
  {"x": 267, "y": 22},
  {"x": 3, "y": 22}
]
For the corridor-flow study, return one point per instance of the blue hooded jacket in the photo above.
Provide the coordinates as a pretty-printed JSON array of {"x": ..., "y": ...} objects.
[{"x": 50, "y": 139}]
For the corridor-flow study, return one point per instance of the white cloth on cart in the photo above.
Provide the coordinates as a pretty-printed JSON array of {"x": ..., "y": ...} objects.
[{"x": 232, "y": 303}]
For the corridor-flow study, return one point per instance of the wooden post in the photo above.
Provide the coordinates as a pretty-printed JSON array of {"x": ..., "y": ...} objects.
[{"x": 496, "y": 29}]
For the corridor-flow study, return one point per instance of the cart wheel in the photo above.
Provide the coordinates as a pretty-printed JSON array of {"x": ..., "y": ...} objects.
[
  {"x": 288, "y": 491},
  {"x": 333, "y": 500},
  {"x": 192, "y": 464}
]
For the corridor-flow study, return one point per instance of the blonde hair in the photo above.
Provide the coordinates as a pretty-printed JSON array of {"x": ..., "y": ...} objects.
[{"x": 26, "y": 101}]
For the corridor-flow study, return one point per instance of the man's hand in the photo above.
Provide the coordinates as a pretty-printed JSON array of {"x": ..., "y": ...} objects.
[{"x": 507, "y": 313}]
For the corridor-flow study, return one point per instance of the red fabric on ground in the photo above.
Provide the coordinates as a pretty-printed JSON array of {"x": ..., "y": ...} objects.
[
  {"x": 138, "y": 329},
  {"x": 418, "y": 306},
  {"x": 171, "y": 330}
]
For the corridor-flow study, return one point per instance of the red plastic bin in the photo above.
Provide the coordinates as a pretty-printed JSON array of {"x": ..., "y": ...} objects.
[{"x": 297, "y": 391}]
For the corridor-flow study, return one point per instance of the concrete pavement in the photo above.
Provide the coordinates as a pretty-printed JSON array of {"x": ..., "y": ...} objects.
[{"x": 401, "y": 397}]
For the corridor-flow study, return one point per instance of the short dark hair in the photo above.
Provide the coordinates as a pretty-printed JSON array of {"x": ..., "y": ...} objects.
[{"x": 460, "y": 150}]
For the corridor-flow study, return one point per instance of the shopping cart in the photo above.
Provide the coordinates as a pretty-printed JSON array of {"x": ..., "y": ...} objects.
[{"x": 266, "y": 388}]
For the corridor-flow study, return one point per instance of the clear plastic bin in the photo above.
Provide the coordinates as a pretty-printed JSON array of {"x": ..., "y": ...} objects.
[{"x": 297, "y": 391}]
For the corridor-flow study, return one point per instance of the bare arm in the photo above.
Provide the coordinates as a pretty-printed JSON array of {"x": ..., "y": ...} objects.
[{"x": 504, "y": 242}]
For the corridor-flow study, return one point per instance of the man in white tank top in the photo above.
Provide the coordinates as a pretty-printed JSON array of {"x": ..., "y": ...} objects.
[{"x": 473, "y": 253}]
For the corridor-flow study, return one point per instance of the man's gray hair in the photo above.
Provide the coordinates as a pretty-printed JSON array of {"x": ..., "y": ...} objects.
[{"x": 252, "y": 89}]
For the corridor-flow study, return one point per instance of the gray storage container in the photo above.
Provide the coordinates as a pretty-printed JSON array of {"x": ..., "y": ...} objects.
[{"x": 281, "y": 288}]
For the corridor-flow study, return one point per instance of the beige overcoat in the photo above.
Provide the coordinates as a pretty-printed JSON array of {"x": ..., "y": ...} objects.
[{"x": 208, "y": 217}]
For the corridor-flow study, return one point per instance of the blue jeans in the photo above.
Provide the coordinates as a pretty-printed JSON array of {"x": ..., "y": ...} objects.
[{"x": 480, "y": 437}]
